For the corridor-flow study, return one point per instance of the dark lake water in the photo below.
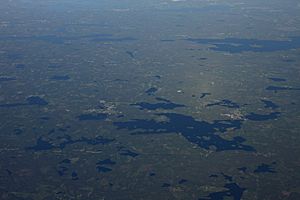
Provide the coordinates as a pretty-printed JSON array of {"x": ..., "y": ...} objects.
[
  {"x": 130, "y": 100},
  {"x": 237, "y": 45}
]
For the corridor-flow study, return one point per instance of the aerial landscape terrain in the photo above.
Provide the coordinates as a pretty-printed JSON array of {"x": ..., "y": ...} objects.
[{"x": 149, "y": 99}]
